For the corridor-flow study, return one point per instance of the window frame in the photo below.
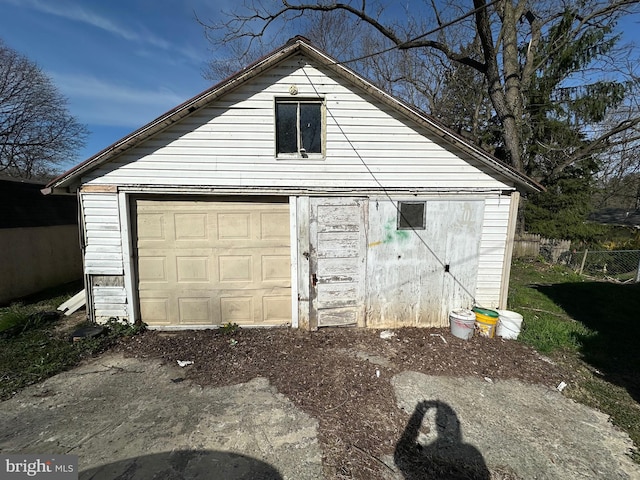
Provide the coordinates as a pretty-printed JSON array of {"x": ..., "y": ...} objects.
[
  {"x": 299, "y": 154},
  {"x": 402, "y": 217}
]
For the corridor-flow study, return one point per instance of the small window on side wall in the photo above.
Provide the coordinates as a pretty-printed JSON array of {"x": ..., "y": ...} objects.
[
  {"x": 299, "y": 128},
  {"x": 411, "y": 216}
]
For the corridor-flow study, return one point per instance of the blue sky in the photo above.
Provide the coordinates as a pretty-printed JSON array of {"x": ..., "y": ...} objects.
[{"x": 120, "y": 63}]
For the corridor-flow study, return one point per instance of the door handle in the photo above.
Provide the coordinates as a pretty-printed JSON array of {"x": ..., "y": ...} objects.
[{"x": 314, "y": 280}]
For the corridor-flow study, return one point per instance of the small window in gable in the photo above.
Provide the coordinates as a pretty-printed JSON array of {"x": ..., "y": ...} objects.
[
  {"x": 411, "y": 216},
  {"x": 299, "y": 128}
]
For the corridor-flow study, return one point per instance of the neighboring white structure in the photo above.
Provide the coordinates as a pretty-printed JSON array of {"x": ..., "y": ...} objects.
[{"x": 295, "y": 192}]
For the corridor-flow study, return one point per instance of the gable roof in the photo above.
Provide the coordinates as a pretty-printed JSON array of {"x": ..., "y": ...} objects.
[{"x": 297, "y": 45}]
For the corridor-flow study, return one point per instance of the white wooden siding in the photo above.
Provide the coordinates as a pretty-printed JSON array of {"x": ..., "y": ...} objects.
[
  {"x": 103, "y": 243},
  {"x": 492, "y": 250},
  {"x": 231, "y": 144},
  {"x": 103, "y": 253},
  {"x": 110, "y": 302}
]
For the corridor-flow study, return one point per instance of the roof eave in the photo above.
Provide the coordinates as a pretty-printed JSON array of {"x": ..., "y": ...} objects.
[{"x": 68, "y": 178}]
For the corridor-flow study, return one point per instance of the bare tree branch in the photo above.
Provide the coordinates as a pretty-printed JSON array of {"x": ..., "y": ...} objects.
[
  {"x": 511, "y": 34},
  {"x": 37, "y": 133}
]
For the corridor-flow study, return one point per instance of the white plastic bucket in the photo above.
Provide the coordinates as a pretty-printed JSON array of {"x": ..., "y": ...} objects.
[
  {"x": 462, "y": 323},
  {"x": 509, "y": 325}
]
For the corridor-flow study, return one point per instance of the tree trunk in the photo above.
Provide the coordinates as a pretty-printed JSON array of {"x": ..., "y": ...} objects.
[{"x": 506, "y": 99}]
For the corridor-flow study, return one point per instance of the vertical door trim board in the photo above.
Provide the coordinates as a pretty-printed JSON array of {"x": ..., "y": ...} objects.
[
  {"x": 293, "y": 232},
  {"x": 303, "y": 304},
  {"x": 508, "y": 252},
  {"x": 90, "y": 310},
  {"x": 312, "y": 265},
  {"x": 364, "y": 216},
  {"x": 124, "y": 211}
]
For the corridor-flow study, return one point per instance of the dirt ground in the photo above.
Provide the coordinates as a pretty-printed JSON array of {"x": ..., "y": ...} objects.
[
  {"x": 335, "y": 404},
  {"x": 344, "y": 379}
]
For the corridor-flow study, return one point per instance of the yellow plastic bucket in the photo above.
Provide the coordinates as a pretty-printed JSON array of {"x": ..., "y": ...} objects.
[{"x": 486, "y": 321}]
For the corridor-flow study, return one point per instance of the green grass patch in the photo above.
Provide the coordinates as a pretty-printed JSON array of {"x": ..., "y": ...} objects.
[
  {"x": 590, "y": 325},
  {"x": 548, "y": 333},
  {"x": 14, "y": 317},
  {"x": 547, "y": 327},
  {"x": 34, "y": 347},
  {"x": 32, "y": 357},
  {"x": 32, "y": 312}
]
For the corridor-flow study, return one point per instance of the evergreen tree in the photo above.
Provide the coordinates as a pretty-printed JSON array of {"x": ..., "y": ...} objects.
[{"x": 562, "y": 116}]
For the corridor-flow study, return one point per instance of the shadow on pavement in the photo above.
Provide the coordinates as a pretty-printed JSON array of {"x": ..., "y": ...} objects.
[
  {"x": 185, "y": 464},
  {"x": 447, "y": 457}
]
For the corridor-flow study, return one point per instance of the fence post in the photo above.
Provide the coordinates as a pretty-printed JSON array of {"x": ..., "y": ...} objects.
[
  {"x": 638, "y": 272},
  {"x": 584, "y": 259}
]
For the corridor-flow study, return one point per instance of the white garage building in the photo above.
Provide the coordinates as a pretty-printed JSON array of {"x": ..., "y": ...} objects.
[{"x": 294, "y": 193}]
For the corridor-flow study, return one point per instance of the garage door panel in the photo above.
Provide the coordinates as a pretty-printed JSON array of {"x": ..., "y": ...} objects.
[
  {"x": 155, "y": 311},
  {"x": 276, "y": 268},
  {"x": 274, "y": 226},
  {"x": 151, "y": 226},
  {"x": 276, "y": 308},
  {"x": 153, "y": 269},
  {"x": 209, "y": 263},
  {"x": 235, "y": 268},
  {"x": 194, "y": 311},
  {"x": 234, "y": 226},
  {"x": 192, "y": 268},
  {"x": 191, "y": 226},
  {"x": 238, "y": 309}
]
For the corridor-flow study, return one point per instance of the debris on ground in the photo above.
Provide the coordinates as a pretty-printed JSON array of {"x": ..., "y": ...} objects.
[
  {"x": 387, "y": 334},
  {"x": 332, "y": 375}
]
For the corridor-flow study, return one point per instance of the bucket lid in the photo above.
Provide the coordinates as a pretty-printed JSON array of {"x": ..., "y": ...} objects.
[
  {"x": 514, "y": 316},
  {"x": 484, "y": 311},
  {"x": 463, "y": 314}
]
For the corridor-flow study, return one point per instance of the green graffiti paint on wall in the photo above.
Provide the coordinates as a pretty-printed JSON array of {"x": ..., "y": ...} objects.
[{"x": 392, "y": 234}]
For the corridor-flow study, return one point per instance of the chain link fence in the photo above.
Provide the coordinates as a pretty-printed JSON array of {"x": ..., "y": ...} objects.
[
  {"x": 621, "y": 266},
  {"x": 616, "y": 265}
]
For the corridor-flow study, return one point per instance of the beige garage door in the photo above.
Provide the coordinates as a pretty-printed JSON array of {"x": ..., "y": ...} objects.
[{"x": 209, "y": 263}]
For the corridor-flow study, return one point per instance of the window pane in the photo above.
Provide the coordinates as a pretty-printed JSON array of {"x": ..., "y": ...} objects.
[
  {"x": 411, "y": 216},
  {"x": 311, "y": 127},
  {"x": 286, "y": 128}
]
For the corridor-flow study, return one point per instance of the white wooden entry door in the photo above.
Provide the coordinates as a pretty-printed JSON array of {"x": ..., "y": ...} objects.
[{"x": 338, "y": 261}]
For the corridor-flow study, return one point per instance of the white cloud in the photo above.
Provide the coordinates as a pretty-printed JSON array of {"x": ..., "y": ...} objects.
[
  {"x": 97, "y": 102},
  {"x": 78, "y": 13}
]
